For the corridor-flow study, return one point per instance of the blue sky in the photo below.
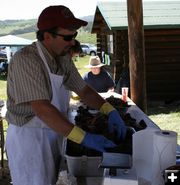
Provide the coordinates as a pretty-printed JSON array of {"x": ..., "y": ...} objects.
[{"x": 30, "y": 9}]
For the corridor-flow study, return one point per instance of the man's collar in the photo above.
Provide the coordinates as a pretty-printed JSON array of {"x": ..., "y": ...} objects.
[{"x": 45, "y": 51}]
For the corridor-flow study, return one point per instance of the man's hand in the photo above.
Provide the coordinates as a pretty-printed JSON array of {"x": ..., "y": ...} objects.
[
  {"x": 115, "y": 123},
  {"x": 93, "y": 141},
  {"x": 97, "y": 142}
]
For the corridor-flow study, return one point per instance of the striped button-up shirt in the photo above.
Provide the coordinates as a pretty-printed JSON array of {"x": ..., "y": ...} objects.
[{"x": 28, "y": 80}]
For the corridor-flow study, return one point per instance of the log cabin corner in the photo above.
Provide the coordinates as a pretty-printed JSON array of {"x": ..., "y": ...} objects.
[{"x": 161, "y": 39}]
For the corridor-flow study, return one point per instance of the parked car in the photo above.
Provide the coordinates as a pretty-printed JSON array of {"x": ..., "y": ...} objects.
[
  {"x": 3, "y": 63},
  {"x": 89, "y": 49},
  {"x": 3, "y": 68},
  {"x": 3, "y": 55}
]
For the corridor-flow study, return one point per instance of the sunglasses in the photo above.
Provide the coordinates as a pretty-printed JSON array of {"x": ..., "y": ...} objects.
[{"x": 66, "y": 37}]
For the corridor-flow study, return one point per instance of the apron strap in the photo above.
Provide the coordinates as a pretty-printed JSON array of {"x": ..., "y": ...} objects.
[{"x": 42, "y": 56}]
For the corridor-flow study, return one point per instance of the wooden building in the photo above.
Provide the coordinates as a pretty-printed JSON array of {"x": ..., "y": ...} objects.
[{"x": 161, "y": 22}]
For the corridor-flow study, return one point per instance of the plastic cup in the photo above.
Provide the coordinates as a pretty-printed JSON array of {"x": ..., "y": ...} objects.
[{"x": 125, "y": 93}]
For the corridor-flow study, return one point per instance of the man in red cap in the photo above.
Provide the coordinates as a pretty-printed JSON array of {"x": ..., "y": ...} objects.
[{"x": 39, "y": 76}]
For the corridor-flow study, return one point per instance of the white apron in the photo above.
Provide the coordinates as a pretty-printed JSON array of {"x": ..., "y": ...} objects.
[{"x": 34, "y": 150}]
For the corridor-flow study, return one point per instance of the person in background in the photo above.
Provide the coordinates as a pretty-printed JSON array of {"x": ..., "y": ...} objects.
[
  {"x": 76, "y": 49},
  {"x": 74, "y": 52},
  {"x": 124, "y": 80},
  {"x": 98, "y": 78},
  {"x": 37, "y": 76}
]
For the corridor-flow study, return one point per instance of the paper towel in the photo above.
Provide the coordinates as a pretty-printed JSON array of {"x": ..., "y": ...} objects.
[{"x": 153, "y": 151}]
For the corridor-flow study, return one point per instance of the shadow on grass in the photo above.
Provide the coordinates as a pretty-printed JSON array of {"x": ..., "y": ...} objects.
[
  {"x": 5, "y": 178},
  {"x": 3, "y": 77},
  {"x": 165, "y": 109}
]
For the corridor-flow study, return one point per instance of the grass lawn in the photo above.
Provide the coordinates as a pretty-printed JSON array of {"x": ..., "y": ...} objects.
[
  {"x": 167, "y": 117},
  {"x": 3, "y": 88},
  {"x": 80, "y": 63}
]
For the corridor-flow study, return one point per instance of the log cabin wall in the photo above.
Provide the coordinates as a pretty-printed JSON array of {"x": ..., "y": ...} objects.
[
  {"x": 162, "y": 53},
  {"x": 162, "y": 45},
  {"x": 102, "y": 47},
  {"x": 120, "y": 50},
  {"x": 102, "y": 31},
  {"x": 121, "y": 54}
]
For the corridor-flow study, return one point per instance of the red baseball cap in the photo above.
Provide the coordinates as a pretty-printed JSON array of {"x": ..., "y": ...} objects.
[{"x": 58, "y": 16}]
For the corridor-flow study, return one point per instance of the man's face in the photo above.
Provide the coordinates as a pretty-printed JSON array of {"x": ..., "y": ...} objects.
[
  {"x": 95, "y": 70},
  {"x": 61, "y": 44}
]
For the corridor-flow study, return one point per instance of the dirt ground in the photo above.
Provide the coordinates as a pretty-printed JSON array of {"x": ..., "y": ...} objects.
[{"x": 5, "y": 178}]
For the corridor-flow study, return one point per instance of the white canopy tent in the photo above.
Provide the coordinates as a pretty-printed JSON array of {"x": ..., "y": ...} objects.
[
  {"x": 12, "y": 43},
  {"x": 12, "y": 40}
]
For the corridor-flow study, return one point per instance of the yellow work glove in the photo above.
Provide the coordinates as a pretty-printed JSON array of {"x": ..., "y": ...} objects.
[
  {"x": 106, "y": 108},
  {"x": 93, "y": 141},
  {"x": 115, "y": 122},
  {"x": 77, "y": 135},
  {"x": 74, "y": 96}
]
